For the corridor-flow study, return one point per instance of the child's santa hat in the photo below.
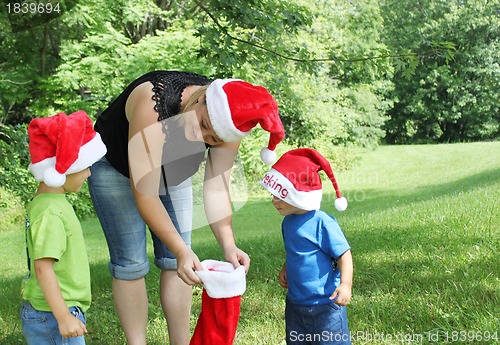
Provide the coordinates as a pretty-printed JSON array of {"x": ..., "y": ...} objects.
[
  {"x": 295, "y": 179},
  {"x": 235, "y": 107},
  {"x": 61, "y": 145},
  {"x": 223, "y": 286}
]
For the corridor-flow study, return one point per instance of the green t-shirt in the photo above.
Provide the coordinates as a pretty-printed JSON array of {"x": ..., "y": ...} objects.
[{"x": 55, "y": 232}]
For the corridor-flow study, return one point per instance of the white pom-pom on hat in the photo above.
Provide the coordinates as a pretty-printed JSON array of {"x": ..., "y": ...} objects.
[
  {"x": 341, "y": 204},
  {"x": 267, "y": 156},
  {"x": 52, "y": 178}
]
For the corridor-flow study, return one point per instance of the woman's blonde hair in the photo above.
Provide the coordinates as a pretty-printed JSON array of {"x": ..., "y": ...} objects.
[{"x": 194, "y": 98}]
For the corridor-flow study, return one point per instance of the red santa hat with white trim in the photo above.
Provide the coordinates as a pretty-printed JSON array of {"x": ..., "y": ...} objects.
[
  {"x": 61, "y": 145},
  {"x": 295, "y": 179},
  {"x": 235, "y": 107}
]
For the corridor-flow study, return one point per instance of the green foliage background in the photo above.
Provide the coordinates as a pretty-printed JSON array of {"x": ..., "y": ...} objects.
[{"x": 345, "y": 74}]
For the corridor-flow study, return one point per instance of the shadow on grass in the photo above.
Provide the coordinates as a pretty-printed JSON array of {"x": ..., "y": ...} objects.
[
  {"x": 408, "y": 276},
  {"x": 405, "y": 279},
  {"x": 415, "y": 275},
  {"x": 376, "y": 200},
  {"x": 11, "y": 302},
  {"x": 421, "y": 279}
]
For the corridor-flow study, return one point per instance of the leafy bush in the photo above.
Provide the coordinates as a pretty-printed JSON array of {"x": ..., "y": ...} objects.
[
  {"x": 14, "y": 174},
  {"x": 11, "y": 210},
  {"x": 82, "y": 203}
]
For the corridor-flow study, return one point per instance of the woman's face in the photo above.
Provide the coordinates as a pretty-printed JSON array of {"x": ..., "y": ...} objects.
[{"x": 198, "y": 125}]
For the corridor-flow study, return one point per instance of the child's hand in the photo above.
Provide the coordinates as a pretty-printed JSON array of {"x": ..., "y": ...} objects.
[
  {"x": 342, "y": 295},
  {"x": 282, "y": 277},
  {"x": 71, "y": 327}
]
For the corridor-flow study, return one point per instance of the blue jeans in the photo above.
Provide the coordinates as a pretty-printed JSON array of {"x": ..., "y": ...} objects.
[
  {"x": 124, "y": 228},
  {"x": 40, "y": 327},
  {"x": 324, "y": 324}
]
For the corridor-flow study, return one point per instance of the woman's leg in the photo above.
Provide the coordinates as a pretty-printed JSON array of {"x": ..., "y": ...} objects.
[
  {"x": 176, "y": 296},
  {"x": 131, "y": 303},
  {"x": 125, "y": 234},
  {"x": 176, "y": 299}
]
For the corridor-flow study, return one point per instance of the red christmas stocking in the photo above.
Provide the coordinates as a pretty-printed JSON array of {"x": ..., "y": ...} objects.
[
  {"x": 220, "y": 304},
  {"x": 218, "y": 320}
]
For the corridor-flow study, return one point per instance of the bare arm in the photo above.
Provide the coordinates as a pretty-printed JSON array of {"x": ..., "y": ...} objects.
[
  {"x": 282, "y": 277},
  {"x": 344, "y": 291},
  {"x": 69, "y": 325},
  {"x": 217, "y": 201},
  {"x": 145, "y": 152}
]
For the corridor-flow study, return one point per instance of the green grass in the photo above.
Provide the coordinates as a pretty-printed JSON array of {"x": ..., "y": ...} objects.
[{"x": 424, "y": 225}]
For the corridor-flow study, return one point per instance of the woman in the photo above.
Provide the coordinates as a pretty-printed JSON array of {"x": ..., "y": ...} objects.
[{"x": 143, "y": 180}]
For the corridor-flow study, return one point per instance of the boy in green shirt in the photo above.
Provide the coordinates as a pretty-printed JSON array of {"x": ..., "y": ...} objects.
[{"x": 57, "y": 292}]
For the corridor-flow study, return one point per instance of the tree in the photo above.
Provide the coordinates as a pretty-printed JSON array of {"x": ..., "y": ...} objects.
[
  {"x": 448, "y": 99},
  {"x": 29, "y": 49},
  {"x": 94, "y": 50}
]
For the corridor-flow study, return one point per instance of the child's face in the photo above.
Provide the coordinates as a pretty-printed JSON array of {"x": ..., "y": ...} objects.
[
  {"x": 75, "y": 181},
  {"x": 285, "y": 208}
]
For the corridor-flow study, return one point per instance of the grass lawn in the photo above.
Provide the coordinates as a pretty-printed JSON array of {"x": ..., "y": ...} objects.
[{"x": 424, "y": 225}]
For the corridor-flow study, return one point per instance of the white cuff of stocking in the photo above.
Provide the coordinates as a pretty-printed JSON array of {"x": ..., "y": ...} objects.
[{"x": 221, "y": 280}]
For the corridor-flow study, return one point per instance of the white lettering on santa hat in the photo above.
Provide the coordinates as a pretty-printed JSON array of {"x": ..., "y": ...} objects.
[
  {"x": 297, "y": 173},
  {"x": 235, "y": 107},
  {"x": 62, "y": 144}
]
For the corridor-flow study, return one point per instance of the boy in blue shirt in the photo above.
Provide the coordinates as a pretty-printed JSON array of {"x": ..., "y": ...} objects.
[{"x": 318, "y": 269}]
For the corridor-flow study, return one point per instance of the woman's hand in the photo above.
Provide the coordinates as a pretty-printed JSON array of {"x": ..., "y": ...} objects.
[
  {"x": 187, "y": 263},
  {"x": 237, "y": 257}
]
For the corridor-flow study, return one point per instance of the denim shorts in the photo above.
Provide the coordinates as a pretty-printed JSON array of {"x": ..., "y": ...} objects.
[
  {"x": 324, "y": 324},
  {"x": 41, "y": 328},
  {"x": 124, "y": 228}
]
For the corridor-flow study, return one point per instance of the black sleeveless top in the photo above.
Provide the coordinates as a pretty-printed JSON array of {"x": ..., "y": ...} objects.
[{"x": 113, "y": 125}]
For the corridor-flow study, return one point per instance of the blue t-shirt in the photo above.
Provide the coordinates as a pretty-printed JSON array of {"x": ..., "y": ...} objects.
[{"x": 313, "y": 242}]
